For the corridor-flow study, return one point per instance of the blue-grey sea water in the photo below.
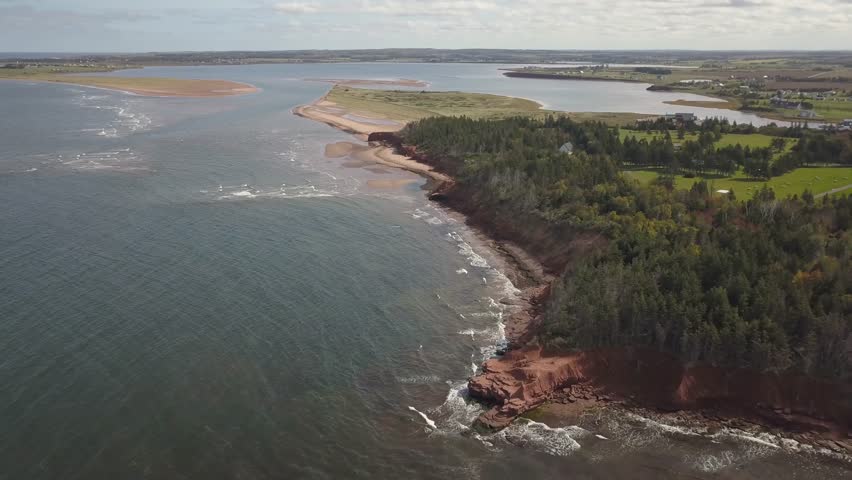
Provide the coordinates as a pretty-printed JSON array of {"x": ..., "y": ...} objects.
[{"x": 190, "y": 289}]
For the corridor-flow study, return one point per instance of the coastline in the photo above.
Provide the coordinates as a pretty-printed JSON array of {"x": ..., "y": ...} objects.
[
  {"x": 523, "y": 270},
  {"x": 530, "y": 380}
]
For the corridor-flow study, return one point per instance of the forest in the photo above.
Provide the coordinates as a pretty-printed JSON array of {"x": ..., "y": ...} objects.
[{"x": 762, "y": 284}]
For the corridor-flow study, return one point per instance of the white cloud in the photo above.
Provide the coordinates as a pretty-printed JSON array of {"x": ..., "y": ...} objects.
[
  {"x": 558, "y": 24},
  {"x": 296, "y": 7}
]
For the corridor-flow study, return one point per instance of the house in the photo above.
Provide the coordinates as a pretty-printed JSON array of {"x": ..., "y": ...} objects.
[
  {"x": 807, "y": 114},
  {"x": 680, "y": 117},
  {"x": 779, "y": 102},
  {"x": 568, "y": 148}
]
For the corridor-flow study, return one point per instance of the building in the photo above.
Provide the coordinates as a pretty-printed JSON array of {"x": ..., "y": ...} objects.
[
  {"x": 568, "y": 148},
  {"x": 847, "y": 122},
  {"x": 779, "y": 102},
  {"x": 681, "y": 117}
]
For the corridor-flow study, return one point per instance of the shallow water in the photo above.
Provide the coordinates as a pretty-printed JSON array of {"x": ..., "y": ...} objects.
[{"x": 189, "y": 289}]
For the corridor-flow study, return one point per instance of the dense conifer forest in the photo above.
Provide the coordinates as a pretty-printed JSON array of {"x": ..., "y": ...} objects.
[{"x": 763, "y": 283}]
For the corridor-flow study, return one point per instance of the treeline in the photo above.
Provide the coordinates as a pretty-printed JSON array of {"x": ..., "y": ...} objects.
[
  {"x": 762, "y": 284},
  {"x": 653, "y": 70}
]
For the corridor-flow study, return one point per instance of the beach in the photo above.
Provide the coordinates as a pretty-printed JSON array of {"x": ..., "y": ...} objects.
[{"x": 361, "y": 125}]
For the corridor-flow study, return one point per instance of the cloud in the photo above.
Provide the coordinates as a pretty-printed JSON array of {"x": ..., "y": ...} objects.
[
  {"x": 559, "y": 24},
  {"x": 734, "y": 3},
  {"x": 296, "y": 7}
]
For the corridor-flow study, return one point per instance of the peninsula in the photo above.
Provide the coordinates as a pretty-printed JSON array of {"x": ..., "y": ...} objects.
[{"x": 615, "y": 313}]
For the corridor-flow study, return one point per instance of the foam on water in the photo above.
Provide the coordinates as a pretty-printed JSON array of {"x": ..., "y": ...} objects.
[
  {"x": 554, "y": 441},
  {"x": 429, "y": 422},
  {"x": 117, "y": 160},
  {"x": 128, "y": 117},
  {"x": 466, "y": 250},
  {"x": 458, "y": 412},
  {"x": 246, "y": 192},
  {"x": 419, "y": 380}
]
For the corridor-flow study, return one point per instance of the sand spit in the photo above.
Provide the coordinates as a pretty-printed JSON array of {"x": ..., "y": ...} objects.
[
  {"x": 153, "y": 87},
  {"x": 354, "y": 82}
]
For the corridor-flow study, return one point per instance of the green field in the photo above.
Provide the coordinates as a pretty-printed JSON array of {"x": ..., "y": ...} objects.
[
  {"x": 756, "y": 140},
  {"x": 816, "y": 179},
  {"x": 408, "y": 105},
  {"x": 404, "y": 105},
  {"x": 835, "y": 110},
  {"x": 51, "y": 71}
]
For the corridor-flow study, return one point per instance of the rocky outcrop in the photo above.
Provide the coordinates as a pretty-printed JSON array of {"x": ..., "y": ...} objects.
[
  {"x": 519, "y": 382},
  {"x": 526, "y": 378}
]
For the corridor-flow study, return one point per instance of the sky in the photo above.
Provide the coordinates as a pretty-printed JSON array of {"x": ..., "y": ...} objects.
[{"x": 181, "y": 25}]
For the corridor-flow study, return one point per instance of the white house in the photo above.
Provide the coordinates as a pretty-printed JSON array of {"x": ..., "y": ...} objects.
[{"x": 568, "y": 148}]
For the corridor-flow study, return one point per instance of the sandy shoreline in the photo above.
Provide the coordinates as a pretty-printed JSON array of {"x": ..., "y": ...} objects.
[
  {"x": 356, "y": 123},
  {"x": 353, "y": 82},
  {"x": 153, "y": 87},
  {"x": 359, "y": 124},
  {"x": 524, "y": 271}
]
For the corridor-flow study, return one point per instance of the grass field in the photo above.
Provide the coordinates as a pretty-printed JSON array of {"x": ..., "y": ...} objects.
[
  {"x": 817, "y": 179},
  {"x": 723, "y": 104},
  {"x": 407, "y": 105},
  {"x": 47, "y": 71},
  {"x": 756, "y": 140},
  {"x": 413, "y": 105},
  {"x": 833, "y": 111},
  {"x": 827, "y": 111}
]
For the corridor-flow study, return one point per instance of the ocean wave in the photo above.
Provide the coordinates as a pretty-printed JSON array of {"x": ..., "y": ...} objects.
[
  {"x": 117, "y": 160},
  {"x": 419, "y": 380},
  {"x": 466, "y": 250},
  {"x": 458, "y": 412},
  {"x": 247, "y": 192}
]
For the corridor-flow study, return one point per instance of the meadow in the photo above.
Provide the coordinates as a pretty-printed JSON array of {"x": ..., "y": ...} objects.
[
  {"x": 819, "y": 180},
  {"x": 409, "y": 105}
]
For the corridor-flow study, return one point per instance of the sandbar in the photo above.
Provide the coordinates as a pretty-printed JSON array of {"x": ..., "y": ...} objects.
[
  {"x": 152, "y": 87},
  {"x": 402, "y": 82}
]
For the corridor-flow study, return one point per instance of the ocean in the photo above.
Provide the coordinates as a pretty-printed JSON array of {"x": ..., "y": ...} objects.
[{"x": 189, "y": 289}]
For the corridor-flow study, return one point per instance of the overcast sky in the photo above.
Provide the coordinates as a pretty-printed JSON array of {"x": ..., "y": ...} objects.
[{"x": 169, "y": 25}]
